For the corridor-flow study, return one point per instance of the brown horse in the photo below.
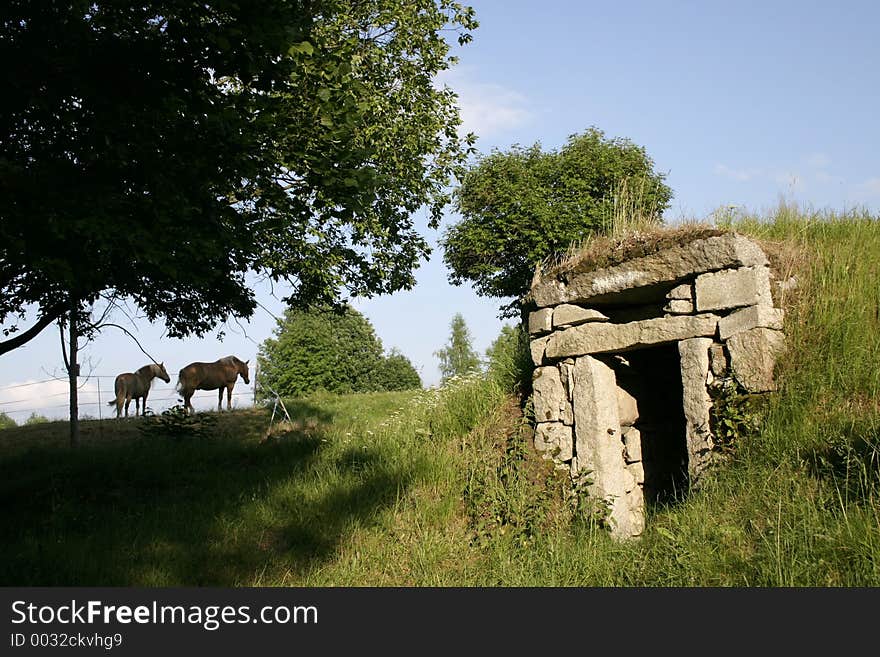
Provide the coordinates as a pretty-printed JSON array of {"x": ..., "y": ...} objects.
[
  {"x": 220, "y": 374},
  {"x": 136, "y": 386}
]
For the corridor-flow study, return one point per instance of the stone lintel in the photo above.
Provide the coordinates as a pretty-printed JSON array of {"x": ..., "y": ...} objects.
[
  {"x": 605, "y": 338},
  {"x": 666, "y": 266}
]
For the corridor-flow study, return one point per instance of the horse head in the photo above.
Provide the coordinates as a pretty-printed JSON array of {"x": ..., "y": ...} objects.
[
  {"x": 243, "y": 370},
  {"x": 159, "y": 370}
]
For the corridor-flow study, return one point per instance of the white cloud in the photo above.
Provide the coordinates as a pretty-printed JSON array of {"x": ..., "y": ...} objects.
[
  {"x": 741, "y": 175},
  {"x": 487, "y": 108},
  {"x": 20, "y": 399}
]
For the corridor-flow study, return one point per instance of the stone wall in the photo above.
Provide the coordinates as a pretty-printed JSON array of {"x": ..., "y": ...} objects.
[{"x": 625, "y": 358}]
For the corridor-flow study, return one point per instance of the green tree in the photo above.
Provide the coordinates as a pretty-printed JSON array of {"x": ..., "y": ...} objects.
[
  {"x": 162, "y": 149},
  {"x": 510, "y": 359},
  {"x": 6, "y": 422},
  {"x": 36, "y": 419},
  {"x": 522, "y": 206},
  {"x": 332, "y": 350},
  {"x": 396, "y": 372},
  {"x": 458, "y": 357}
]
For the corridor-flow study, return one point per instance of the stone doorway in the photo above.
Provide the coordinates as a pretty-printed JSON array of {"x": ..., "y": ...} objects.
[{"x": 652, "y": 420}]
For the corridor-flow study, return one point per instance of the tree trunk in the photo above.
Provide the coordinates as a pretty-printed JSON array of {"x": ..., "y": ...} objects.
[{"x": 72, "y": 373}]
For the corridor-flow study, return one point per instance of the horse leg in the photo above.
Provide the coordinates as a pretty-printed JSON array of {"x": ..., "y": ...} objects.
[
  {"x": 229, "y": 397},
  {"x": 118, "y": 406},
  {"x": 187, "y": 406},
  {"x": 127, "y": 404},
  {"x": 144, "y": 403}
]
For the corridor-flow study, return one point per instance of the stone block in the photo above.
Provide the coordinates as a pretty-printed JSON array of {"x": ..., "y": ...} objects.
[
  {"x": 636, "y": 504},
  {"x": 537, "y": 347},
  {"x": 541, "y": 321},
  {"x": 632, "y": 445},
  {"x": 638, "y": 472},
  {"x": 717, "y": 359},
  {"x": 679, "y": 307},
  {"x": 733, "y": 288},
  {"x": 703, "y": 255},
  {"x": 550, "y": 396},
  {"x": 694, "y": 355},
  {"x": 596, "y": 338},
  {"x": 685, "y": 291},
  {"x": 598, "y": 444},
  {"x": 570, "y": 315},
  {"x": 554, "y": 439},
  {"x": 753, "y": 355},
  {"x": 749, "y": 318},
  {"x": 627, "y": 408}
]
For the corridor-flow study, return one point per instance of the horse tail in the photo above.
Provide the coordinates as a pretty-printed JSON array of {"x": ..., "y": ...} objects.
[{"x": 112, "y": 402}]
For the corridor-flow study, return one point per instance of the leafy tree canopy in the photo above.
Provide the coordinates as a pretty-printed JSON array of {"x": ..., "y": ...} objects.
[
  {"x": 396, "y": 372},
  {"x": 524, "y": 205},
  {"x": 457, "y": 357},
  {"x": 162, "y": 149},
  {"x": 6, "y": 422},
  {"x": 510, "y": 359},
  {"x": 33, "y": 419},
  {"x": 325, "y": 349}
]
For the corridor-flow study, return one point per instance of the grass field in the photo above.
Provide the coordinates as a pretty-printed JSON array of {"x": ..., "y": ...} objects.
[{"x": 442, "y": 487}]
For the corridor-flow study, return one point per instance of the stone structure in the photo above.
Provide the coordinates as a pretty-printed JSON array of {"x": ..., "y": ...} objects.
[{"x": 626, "y": 357}]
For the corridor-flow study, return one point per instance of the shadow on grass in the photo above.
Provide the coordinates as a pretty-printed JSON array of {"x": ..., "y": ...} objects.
[{"x": 162, "y": 512}]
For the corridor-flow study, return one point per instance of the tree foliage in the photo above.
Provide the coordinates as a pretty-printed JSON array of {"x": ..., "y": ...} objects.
[
  {"x": 510, "y": 359},
  {"x": 396, "y": 372},
  {"x": 457, "y": 357},
  {"x": 7, "y": 422},
  {"x": 34, "y": 418},
  {"x": 331, "y": 350},
  {"x": 162, "y": 149},
  {"x": 524, "y": 205}
]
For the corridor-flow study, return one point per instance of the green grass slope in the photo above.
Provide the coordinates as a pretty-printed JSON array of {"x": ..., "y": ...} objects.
[{"x": 443, "y": 488}]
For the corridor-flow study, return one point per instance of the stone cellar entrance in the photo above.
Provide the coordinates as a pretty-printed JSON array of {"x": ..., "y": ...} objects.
[
  {"x": 652, "y": 420},
  {"x": 626, "y": 356}
]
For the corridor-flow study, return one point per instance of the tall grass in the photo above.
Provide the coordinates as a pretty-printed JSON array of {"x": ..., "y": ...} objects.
[
  {"x": 627, "y": 209},
  {"x": 442, "y": 487}
]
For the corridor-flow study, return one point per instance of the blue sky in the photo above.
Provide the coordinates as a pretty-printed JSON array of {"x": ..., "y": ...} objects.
[{"x": 739, "y": 103}]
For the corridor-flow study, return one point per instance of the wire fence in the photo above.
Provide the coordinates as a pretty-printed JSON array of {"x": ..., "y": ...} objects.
[{"x": 103, "y": 397}]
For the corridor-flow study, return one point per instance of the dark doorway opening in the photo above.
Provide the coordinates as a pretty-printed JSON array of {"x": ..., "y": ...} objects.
[{"x": 653, "y": 377}]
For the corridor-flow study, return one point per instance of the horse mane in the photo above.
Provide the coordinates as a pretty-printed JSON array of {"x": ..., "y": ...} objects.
[{"x": 152, "y": 371}]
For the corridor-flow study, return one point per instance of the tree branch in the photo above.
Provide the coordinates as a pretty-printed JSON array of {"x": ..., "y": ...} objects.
[
  {"x": 50, "y": 315},
  {"x": 129, "y": 333}
]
